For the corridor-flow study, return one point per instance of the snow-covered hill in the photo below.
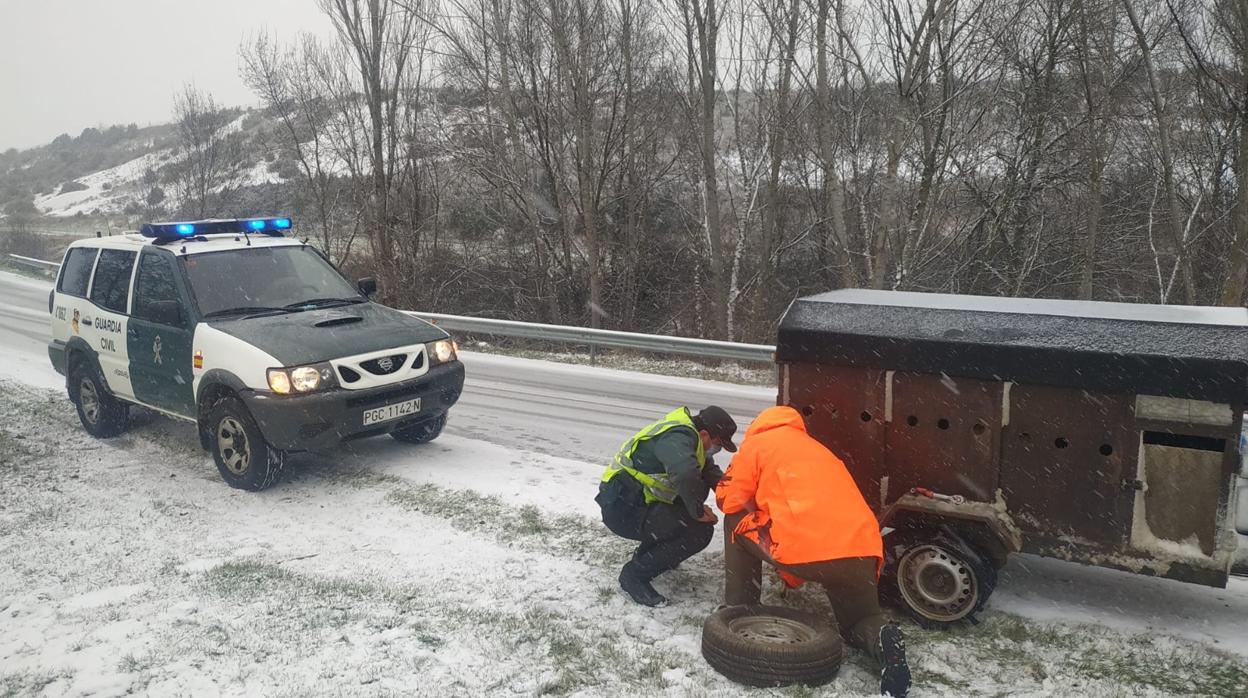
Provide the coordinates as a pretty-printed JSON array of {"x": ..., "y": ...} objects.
[{"x": 109, "y": 190}]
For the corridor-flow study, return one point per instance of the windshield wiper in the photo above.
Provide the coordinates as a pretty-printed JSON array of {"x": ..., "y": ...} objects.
[
  {"x": 248, "y": 309},
  {"x": 323, "y": 303}
]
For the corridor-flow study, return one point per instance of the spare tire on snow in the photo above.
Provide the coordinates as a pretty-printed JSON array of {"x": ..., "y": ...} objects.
[{"x": 770, "y": 646}]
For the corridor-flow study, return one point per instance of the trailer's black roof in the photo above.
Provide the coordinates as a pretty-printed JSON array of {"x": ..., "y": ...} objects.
[{"x": 1179, "y": 351}]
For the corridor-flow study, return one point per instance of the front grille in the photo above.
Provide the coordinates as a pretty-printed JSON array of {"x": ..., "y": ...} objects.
[{"x": 385, "y": 365}]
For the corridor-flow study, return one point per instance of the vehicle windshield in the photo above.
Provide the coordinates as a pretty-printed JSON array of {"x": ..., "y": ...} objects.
[{"x": 265, "y": 279}]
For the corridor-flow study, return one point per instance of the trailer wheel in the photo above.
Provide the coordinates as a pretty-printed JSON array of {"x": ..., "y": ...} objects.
[
  {"x": 769, "y": 646},
  {"x": 938, "y": 579}
]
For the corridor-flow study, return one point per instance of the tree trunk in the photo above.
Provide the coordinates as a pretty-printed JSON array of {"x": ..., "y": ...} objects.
[
  {"x": 834, "y": 241},
  {"x": 1162, "y": 116}
]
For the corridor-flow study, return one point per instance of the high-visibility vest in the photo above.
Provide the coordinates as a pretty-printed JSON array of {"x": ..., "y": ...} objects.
[{"x": 657, "y": 486}]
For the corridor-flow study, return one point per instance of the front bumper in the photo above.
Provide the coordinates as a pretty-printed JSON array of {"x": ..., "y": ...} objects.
[{"x": 322, "y": 420}]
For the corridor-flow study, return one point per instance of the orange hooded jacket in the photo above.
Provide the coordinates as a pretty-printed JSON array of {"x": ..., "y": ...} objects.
[{"x": 804, "y": 505}]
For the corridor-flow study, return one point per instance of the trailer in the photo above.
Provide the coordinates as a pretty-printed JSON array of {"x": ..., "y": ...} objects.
[{"x": 1101, "y": 433}]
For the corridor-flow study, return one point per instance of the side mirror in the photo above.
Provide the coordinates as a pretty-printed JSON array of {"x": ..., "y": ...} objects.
[
  {"x": 166, "y": 313},
  {"x": 367, "y": 286}
]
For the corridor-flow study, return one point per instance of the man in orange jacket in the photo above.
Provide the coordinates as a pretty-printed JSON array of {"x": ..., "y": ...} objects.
[{"x": 790, "y": 501}]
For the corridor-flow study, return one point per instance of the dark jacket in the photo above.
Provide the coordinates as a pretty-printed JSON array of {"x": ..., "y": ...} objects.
[{"x": 675, "y": 453}]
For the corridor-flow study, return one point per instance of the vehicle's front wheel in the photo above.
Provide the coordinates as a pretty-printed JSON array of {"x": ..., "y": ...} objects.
[
  {"x": 101, "y": 414},
  {"x": 244, "y": 458},
  {"x": 421, "y": 432}
]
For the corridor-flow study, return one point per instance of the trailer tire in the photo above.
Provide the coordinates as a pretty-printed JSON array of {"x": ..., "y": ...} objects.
[
  {"x": 938, "y": 579},
  {"x": 769, "y": 646}
]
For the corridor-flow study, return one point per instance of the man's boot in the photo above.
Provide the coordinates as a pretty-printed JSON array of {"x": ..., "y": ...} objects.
[
  {"x": 638, "y": 587},
  {"x": 894, "y": 671}
]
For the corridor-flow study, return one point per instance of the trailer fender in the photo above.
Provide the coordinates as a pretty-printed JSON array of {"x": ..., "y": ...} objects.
[{"x": 980, "y": 524}]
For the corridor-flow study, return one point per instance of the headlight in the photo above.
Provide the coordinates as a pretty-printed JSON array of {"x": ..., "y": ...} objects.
[
  {"x": 442, "y": 351},
  {"x": 305, "y": 379},
  {"x": 301, "y": 379},
  {"x": 279, "y": 382}
]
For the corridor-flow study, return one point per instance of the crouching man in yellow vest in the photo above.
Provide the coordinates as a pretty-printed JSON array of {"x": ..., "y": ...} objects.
[{"x": 654, "y": 493}]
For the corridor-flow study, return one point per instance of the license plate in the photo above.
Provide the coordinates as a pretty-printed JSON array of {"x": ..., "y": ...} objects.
[{"x": 378, "y": 415}]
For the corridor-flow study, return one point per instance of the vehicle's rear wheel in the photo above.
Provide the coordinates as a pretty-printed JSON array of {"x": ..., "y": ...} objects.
[
  {"x": 421, "y": 432},
  {"x": 244, "y": 459},
  {"x": 771, "y": 646},
  {"x": 101, "y": 414},
  {"x": 939, "y": 580}
]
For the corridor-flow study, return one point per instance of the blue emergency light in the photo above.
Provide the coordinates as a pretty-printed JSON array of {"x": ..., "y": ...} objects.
[{"x": 175, "y": 231}]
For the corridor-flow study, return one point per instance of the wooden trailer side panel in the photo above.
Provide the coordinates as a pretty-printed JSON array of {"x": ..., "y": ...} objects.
[
  {"x": 1068, "y": 466},
  {"x": 944, "y": 435},
  {"x": 844, "y": 410}
]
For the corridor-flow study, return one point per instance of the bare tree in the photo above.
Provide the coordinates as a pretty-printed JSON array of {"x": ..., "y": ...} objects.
[
  {"x": 1215, "y": 35},
  {"x": 207, "y": 175},
  {"x": 1165, "y": 127},
  {"x": 380, "y": 35},
  {"x": 701, "y": 21},
  {"x": 290, "y": 89}
]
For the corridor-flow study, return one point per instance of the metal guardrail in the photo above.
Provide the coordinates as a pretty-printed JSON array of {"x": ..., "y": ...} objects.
[
  {"x": 31, "y": 261},
  {"x": 657, "y": 343},
  {"x": 664, "y": 344}
]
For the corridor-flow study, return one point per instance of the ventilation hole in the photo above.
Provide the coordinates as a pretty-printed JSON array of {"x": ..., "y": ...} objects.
[
  {"x": 865, "y": 416},
  {"x": 978, "y": 429},
  {"x": 808, "y": 410},
  {"x": 1106, "y": 450},
  {"x": 942, "y": 423},
  {"x": 1061, "y": 442},
  {"x": 912, "y": 421},
  {"x": 835, "y": 413},
  {"x": 1024, "y": 436}
]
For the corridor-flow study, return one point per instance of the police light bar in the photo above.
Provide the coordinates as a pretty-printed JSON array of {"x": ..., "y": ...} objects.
[{"x": 174, "y": 231}]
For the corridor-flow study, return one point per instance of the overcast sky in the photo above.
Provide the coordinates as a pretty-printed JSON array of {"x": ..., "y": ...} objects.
[{"x": 69, "y": 64}]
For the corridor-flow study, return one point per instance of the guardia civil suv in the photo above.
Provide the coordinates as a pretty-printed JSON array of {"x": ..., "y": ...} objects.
[{"x": 253, "y": 335}]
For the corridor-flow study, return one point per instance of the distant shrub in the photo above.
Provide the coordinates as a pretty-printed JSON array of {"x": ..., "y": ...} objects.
[
  {"x": 155, "y": 196},
  {"x": 72, "y": 186}
]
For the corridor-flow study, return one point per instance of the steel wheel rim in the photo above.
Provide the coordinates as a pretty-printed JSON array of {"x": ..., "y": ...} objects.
[
  {"x": 936, "y": 584},
  {"x": 233, "y": 445},
  {"x": 772, "y": 630},
  {"x": 89, "y": 399}
]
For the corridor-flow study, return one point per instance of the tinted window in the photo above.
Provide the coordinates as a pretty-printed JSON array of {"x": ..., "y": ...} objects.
[
  {"x": 112, "y": 280},
  {"x": 77, "y": 271},
  {"x": 154, "y": 283},
  {"x": 263, "y": 277}
]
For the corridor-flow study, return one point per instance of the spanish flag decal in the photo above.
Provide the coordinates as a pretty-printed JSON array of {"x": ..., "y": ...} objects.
[{"x": 198, "y": 361}]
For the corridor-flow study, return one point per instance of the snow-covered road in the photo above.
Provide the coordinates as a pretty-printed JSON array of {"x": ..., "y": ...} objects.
[{"x": 471, "y": 566}]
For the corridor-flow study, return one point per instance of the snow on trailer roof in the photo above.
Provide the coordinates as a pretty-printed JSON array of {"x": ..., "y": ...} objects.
[{"x": 1179, "y": 351}]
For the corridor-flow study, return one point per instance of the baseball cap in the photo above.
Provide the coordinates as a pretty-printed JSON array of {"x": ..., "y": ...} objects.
[{"x": 718, "y": 424}]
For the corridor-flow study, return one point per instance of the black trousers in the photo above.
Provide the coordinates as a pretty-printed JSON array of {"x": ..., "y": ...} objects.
[
  {"x": 667, "y": 534},
  {"x": 850, "y": 584}
]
